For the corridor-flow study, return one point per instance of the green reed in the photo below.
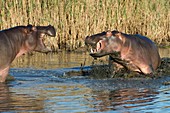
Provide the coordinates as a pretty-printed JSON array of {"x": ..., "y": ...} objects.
[{"x": 75, "y": 19}]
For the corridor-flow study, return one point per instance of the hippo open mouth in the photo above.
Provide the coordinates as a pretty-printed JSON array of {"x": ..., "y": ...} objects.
[
  {"x": 101, "y": 49},
  {"x": 98, "y": 47},
  {"x": 45, "y": 40},
  {"x": 44, "y": 44},
  {"x": 99, "y": 44}
]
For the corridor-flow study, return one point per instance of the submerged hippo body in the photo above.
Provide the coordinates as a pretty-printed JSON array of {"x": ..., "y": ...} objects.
[
  {"x": 19, "y": 40},
  {"x": 138, "y": 52}
]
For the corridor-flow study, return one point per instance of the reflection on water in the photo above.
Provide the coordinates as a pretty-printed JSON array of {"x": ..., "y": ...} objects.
[
  {"x": 124, "y": 99},
  {"x": 62, "y": 59},
  {"x": 53, "y": 60},
  {"x": 39, "y": 87},
  {"x": 18, "y": 101}
]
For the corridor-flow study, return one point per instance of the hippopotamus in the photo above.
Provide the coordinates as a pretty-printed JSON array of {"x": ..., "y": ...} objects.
[
  {"x": 133, "y": 51},
  {"x": 19, "y": 40}
]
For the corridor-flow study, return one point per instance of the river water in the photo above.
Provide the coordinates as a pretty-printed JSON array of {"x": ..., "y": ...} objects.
[{"x": 40, "y": 86}]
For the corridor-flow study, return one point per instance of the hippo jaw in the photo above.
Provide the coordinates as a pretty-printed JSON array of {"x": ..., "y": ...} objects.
[
  {"x": 41, "y": 46},
  {"x": 97, "y": 51},
  {"x": 43, "y": 31},
  {"x": 95, "y": 45}
]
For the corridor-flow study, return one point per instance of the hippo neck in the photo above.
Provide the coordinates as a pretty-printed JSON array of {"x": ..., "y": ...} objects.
[
  {"x": 125, "y": 49},
  {"x": 15, "y": 37}
]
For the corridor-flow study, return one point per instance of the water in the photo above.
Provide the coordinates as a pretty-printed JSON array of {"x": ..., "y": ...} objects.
[{"x": 40, "y": 86}]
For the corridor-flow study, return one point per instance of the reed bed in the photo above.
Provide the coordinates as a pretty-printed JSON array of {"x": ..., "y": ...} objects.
[{"x": 75, "y": 19}]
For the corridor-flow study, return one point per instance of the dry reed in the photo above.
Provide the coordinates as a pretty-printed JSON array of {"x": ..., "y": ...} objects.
[{"x": 75, "y": 19}]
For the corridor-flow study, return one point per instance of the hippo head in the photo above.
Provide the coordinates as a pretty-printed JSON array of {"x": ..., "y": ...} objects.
[
  {"x": 103, "y": 44},
  {"x": 35, "y": 37}
]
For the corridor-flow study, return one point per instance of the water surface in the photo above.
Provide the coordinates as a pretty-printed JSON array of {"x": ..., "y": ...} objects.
[{"x": 41, "y": 86}]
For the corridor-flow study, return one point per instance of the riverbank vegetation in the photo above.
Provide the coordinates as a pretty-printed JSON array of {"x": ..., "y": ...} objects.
[{"x": 75, "y": 19}]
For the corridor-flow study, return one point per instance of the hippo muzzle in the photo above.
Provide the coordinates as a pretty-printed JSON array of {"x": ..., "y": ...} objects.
[
  {"x": 98, "y": 44},
  {"x": 41, "y": 32}
]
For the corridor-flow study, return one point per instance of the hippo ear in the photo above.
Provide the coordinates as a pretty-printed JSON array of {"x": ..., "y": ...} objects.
[
  {"x": 108, "y": 34},
  {"x": 34, "y": 28},
  {"x": 119, "y": 35},
  {"x": 29, "y": 28}
]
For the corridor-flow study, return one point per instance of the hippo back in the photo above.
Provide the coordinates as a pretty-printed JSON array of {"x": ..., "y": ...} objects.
[{"x": 149, "y": 49}]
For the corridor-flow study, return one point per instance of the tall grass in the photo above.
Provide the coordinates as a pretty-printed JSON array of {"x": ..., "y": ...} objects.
[{"x": 75, "y": 19}]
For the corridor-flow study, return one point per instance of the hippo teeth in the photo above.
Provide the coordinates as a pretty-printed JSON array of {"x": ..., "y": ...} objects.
[
  {"x": 91, "y": 50},
  {"x": 98, "y": 47}
]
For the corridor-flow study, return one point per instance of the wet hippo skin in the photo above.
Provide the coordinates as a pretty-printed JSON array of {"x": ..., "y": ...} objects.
[
  {"x": 19, "y": 40},
  {"x": 137, "y": 52}
]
